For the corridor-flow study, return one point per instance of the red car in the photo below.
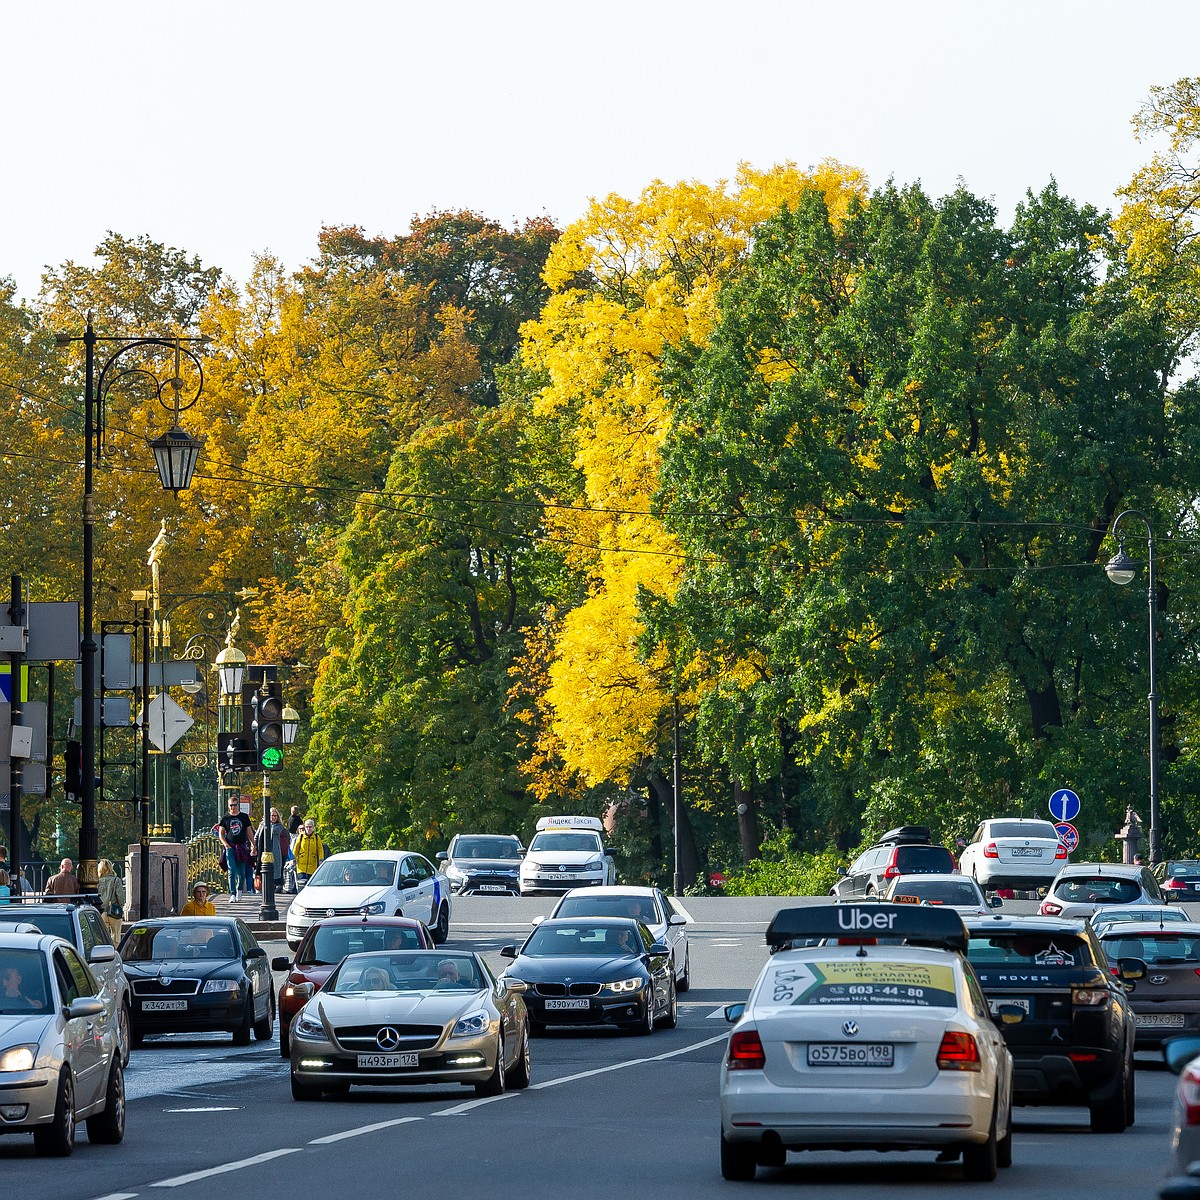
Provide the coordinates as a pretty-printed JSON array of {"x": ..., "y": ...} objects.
[{"x": 325, "y": 944}]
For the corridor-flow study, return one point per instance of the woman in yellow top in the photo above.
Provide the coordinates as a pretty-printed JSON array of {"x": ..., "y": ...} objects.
[{"x": 199, "y": 905}]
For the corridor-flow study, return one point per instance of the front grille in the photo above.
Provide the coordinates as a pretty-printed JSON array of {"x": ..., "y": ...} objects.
[
  {"x": 365, "y": 1037},
  {"x": 156, "y": 987},
  {"x": 561, "y": 989},
  {"x": 334, "y": 912}
]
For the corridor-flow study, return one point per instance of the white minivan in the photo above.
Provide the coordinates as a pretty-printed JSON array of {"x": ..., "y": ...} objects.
[{"x": 566, "y": 853}]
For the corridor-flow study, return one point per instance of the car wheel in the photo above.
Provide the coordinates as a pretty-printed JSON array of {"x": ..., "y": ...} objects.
[
  {"x": 58, "y": 1138},
  {"x": 241, "y": 1035},
  {"x": 285, "y": 1039},
  {"x": 304, "y": 1091},
  {"x": 738, "y": 1162},
  {"x": 266, "y": 1027},
  {"x": 1004, "y": 1145},
  {"x": 519, "y": 1076},
  {"x": 646, "y": 1025},
  {"x": 871, "y": 893},
  {"x": 671, "y": 1018},
  {"x": 493, "y": 1085},
  {"x": 441, "y": 927},
  {"x": 124, "y": 1032},
  {"x": 1111, "y": 1117},
  {"x": 108, "y": 1127},
  {"x": 685, "y": 980},
  {"x": 980, "y": 1162}
]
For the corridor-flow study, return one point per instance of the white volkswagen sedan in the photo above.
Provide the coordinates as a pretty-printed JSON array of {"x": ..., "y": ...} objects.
[
  {"x": 853, "y": 1045},
  {"x": 369, "y": 882}
]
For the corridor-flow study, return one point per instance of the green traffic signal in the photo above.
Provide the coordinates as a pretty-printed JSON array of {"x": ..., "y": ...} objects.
[{"x": 271, "y": 758}]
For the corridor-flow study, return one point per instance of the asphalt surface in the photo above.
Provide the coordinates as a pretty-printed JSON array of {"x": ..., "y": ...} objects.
[{"x": 607, "y": 1113}]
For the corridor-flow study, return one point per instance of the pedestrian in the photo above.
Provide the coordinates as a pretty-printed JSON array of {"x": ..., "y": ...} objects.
[
  {"x": 309, "y": 851},
  {"x": 234, "y": 832},
  {"x": 277, "y": 845},
  {"x": 199, "y": 905},
  {"x": 295, "y": 821},
  {"x": 5, "y": 887},
  {"x": 110, "y": 887},
  {"x": 64, "y": 883},
  {"x": 1138, "y": 861},
  {"x": 19, "y": 883}
]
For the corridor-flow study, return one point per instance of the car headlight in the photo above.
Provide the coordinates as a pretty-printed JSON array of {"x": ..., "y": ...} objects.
[
  {"x": 455, "y": 873},
  {"x": 18, "y": 1058},
  {"x": 304, "y": 990},
  {"x": 296, "y": 910},
  {"x": 472, "y": 1025},
  {"x": 624, "y": 985},
  {"x": 596, "y": 864},
  {"x": 220, "y": 985},
  {"x": 308, "y": 1027},
  {"x": 373, "y": 909}
]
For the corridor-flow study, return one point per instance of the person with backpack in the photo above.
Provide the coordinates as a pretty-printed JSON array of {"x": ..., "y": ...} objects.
[{"x": 309, "y": 852}]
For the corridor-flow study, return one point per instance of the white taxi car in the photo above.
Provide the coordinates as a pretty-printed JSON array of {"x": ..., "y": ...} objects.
[
  {"x": 857, "y": 1045},
  {"x": 566, "y": 853}
]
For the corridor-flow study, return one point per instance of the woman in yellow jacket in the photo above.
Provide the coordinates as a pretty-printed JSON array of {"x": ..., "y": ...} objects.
[
  {"x": 308, "y": 851},
  {"x": 199, "y": 905}
]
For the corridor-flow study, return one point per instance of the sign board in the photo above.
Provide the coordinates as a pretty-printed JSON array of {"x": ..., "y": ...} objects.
[
  {"x": 13, "y": 639},
  {"x": 1068, "y": 835},
  {"x": 53, "y": 631},
  {"x": 114, "y": 715},
  {"x": 174, "y": 672},
  {"x": 1064, "y": 805},
  {"x": 33, "y": 778},
  {"x": 168, "y": 722}
]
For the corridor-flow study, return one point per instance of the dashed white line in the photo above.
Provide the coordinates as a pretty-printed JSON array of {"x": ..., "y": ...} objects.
[
  {"x": 225, "y": 1168},
  {"x": 468, "y": 1105},
  {"x": 631, "y": 1062},
  {"x": 329, "y": 1139},
  {"x": 119, "y": 1196}
]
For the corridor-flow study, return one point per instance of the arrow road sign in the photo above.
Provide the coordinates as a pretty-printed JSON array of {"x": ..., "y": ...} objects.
[
  {"x": 1068, "y": 835},
  {"x": 1064, "y": 805}
]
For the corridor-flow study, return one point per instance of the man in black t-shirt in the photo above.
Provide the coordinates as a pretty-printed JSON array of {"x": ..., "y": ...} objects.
[{"x": 234, "y": 832}]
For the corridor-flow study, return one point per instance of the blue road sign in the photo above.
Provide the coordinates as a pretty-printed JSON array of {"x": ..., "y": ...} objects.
[
  {"x": 1068, "y": 835},
  {"x": 1064, "y": 805}
]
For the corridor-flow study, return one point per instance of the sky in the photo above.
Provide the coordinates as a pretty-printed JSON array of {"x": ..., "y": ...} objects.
[{"x": 240, "y": 127}]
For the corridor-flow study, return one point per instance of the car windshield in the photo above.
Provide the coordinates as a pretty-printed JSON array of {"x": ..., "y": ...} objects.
[
  {"x": 1023, "y": 829},
  {"x": 1097, "y": 889},
  {"x": 56, "y": 924},
  {"x": 1033, "y": 949},
  {"x": 355, "y": 872},
  {"x": 425, "y": 971},
  {"x": 331, "y": 943},
  {"x": 942, "y": 892},
  {"x": 580, "y": 938},
  {"x": 485, "y": 847},
  {"x": 179, "y": 940},
  {"x": 640, "y": 908},
  {"x": 24, "y": 981},
  {"x": 1176, "y": 869},
  {"x": 566, "y": 841},
  {"x": 1155, "y": 949}
]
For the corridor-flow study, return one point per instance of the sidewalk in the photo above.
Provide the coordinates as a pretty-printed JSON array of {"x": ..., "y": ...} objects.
[{"x": 248, "y": 907}]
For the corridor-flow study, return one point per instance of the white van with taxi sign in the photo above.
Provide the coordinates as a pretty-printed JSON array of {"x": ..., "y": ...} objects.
[{"x": 566, "y": 852}]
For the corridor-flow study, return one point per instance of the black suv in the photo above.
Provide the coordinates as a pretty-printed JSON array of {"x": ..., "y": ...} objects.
[
  {"x": 903, "y": 851},
  {"x": 1066, "y": 1019}
]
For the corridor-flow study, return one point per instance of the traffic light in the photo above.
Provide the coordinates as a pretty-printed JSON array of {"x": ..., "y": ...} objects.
[
  {"x": 73, "y": 759},
  {"x": 268, "y": 727},
  {"x": 236, "y": 750}
]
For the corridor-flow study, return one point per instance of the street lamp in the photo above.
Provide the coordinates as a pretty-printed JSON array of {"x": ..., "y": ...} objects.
[
  {"x": 1122, "y": 569},
  {"x": 180, "y": 464},
  {"x": 291, "y": 725}
]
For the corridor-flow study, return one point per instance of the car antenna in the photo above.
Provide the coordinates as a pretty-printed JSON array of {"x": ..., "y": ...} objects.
[{"x": 862, "y": 951}]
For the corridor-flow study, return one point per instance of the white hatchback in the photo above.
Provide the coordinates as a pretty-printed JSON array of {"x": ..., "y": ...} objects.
[
  {"x": 854, "y": 1045},
  {"x": 1085, "y": 888},
  {"x": 1014, "y": 852}
]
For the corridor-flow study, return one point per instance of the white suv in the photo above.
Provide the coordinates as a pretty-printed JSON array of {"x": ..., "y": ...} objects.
[{"x": 1014, "y": 852}]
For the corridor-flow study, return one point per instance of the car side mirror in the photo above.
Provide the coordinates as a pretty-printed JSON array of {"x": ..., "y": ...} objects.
[
  {"x": 517, "y": 986},
  {"x": 1179, "y": 1051},
  {"x": 734, "y": 1012},
  {"x": 256, "y": 952},
  {"x": 441, "y": 856},
  {"x": 1169, "y": 895},
  {"x": 677, "y": 919},
  {"x": 281, "y": 964},
  {"x": 538, "y": 919},
  {"x": 508, "y": 952},
  {"x": 102, "y": 954},
  {"x": 659, "y": 948},
  {"x": 842, "y": 872},
  {"x": 1131, "y": 968},
  {"x": 995, "y": 902},
  {"x": 85, "y": 1006},
  {"x": 1008, "y": 1014}
]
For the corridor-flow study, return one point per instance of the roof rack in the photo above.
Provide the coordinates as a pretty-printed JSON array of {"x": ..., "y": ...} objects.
[
  {"x": 916, "y": 925},
  {"x": 906, "y": 833}
]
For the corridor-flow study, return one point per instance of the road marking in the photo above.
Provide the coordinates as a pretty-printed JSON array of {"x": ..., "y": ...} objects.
[
  {"x": 631, "y": 1062},
  {"x": 118, "y": 1196},
  {"x": 677, "y": 905},
  {"x": 225, "y": 1168},
  {"x": 459, "y": 1109},
  {"x": 717, "y": 1012},
  {"x": 329, "y": 1139},
  {"x": 215, "y": 1108}
]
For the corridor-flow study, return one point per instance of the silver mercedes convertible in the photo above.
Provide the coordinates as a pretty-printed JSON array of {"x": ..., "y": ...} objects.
[{"x": 393, "y": 1018}]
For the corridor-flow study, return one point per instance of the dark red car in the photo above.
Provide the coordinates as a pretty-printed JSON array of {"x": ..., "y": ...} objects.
[{"x": 325, "y": 944}]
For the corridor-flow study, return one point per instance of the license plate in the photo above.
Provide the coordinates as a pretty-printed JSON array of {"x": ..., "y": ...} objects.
[
  {"x": 387, "y": 1060},
  {"x": 1159, "y": 1020},
  {"x": 835, "y": 1054},
  {"x": 556, "y": 875},
  {"x": 1025, "y": 852},
  {"x": 1021, "y": 1002},
  {"x": 560, "y": 1004},
  {"x": 492, "y": 887},
  {"x": 164, "y": 1006}
]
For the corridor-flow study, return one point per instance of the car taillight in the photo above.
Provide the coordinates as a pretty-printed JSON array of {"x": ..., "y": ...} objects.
[
  {"x": 990, "y": 851},
  {"x": 1189, "y": 1095},
  {"x": 958, "y": 1052},
  {"x": 1050, "y": 909},
  {"x": 746, "y": 1051},
  {"x": 891, "y": 871},
  {"x": 1061, "y": 852},
  {"x": 1088, "y": 996},
  {"x": 1176, "y": 885}
]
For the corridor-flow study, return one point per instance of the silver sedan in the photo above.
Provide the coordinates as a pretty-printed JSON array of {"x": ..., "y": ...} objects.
[
  {"x": 393, "y": 1018},
  {"x": 60, "y": 1054}
]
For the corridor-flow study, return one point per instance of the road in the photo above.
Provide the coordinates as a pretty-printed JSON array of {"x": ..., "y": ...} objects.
[{"x": 607, "y": 1113}]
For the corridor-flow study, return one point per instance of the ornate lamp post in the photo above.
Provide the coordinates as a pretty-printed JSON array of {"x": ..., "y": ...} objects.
[
  {"x": 1122, "y": 570},
  {"x": 176, "y": 462}
]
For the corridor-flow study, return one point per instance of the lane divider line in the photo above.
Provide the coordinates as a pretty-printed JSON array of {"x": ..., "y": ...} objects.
[
  {"x": 225, "y": 1168},
  {"x": 632, "y": 1062},
  {"x": 468, "y": 1105},
  {"x": 330, "y": 1138},
  {"x": 119, "y": 1196}
]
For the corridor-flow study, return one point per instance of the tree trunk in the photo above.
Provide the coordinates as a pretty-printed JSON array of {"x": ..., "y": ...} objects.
[
  {"x": 747, "y": 817},
  {"x": 690, "y": 864},
  {"x": 654, "y": 823}
]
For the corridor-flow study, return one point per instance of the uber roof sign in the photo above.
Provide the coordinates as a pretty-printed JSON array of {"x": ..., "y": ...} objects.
[{"x": 920, "y": 925}]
